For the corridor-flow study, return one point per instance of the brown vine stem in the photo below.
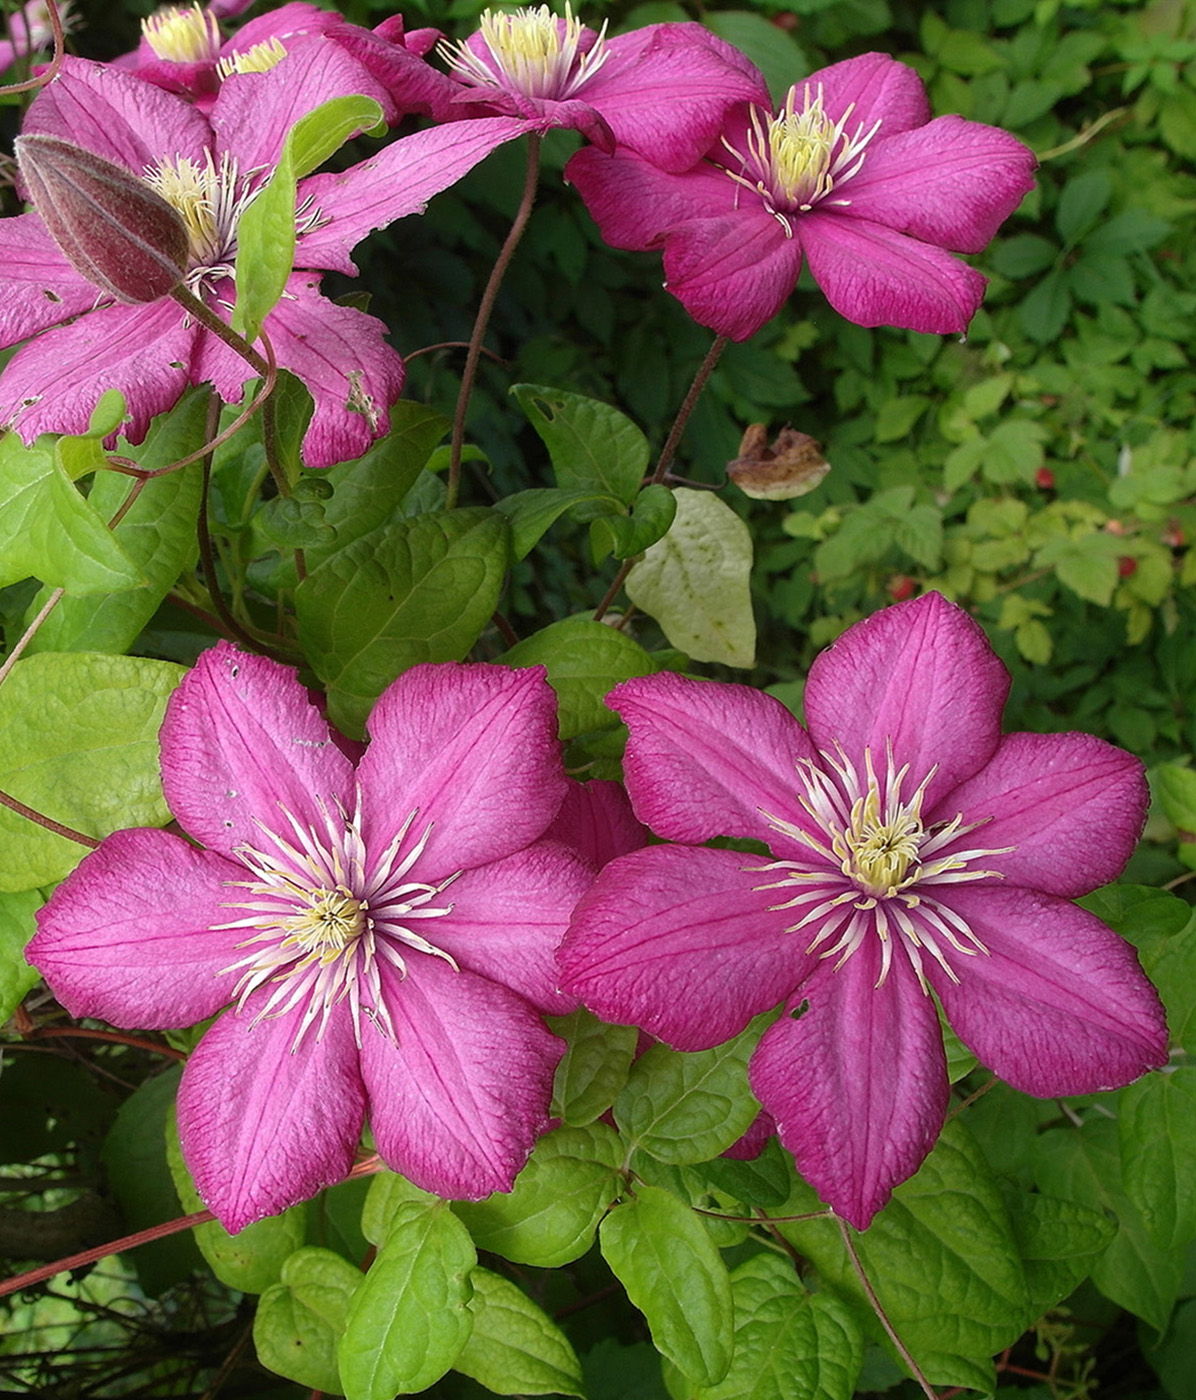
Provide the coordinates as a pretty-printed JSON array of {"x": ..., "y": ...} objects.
[
  {"x": 667, "y": 453},
  {"x": 134, "y": 1042},
  {"x": 485, "y": 307},
  {"x": 903, "y": 1351},
  {"x": 55, "y": 64},
  {"x": 15, "y": 805}
]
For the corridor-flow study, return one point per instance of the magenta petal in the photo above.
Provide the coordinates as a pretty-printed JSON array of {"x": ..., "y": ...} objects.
[
  {"x": 921, "y": 676},
  {"x": 458, "y": 1101},
  {"x": 254, "y": 111},
  {"x": 117, "y": 115},
  {"x": 398, "y": 181},
  {"x": 509, "y": 918},
  {"x": 263, "y": 1124},
  {"x": 735, "y": 273},
  {"x": 127, "y": 937},
  {"x": 858, "y": 1083},
  {"x": 635, "y": 205},
  {"x": 709, "y": 760},
  {"x": 1059, "y": 1005},
  {"x": 240, "y": 741},
  {"x": 685, "y": 943},
  {"x": 876, "y": 277},
  {"x": 53, "y": 384},
  {"x": 341, "y": 356},
  {"x": 1072, "y": 805},
  {"x": 753, "y": 1142},
  {"x": 951, "y": 182},
  {"x": 473, "y": 750},
  {"x": 40, "y": 287},
  {"x": 876, "y": 88},
  {"x": 663, "y": 91},
  {"x": 596, "y": 820}
]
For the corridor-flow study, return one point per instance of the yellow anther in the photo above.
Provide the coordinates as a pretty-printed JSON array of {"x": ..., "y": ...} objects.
[
  {"x": 183, "y": 34},
  {"x": 259, "y": 59}
]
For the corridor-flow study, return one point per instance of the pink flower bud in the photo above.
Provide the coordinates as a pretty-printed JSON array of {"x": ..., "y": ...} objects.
[{"x": 113, "y": 229}]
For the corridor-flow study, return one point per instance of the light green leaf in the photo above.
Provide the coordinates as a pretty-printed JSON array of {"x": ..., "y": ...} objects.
[
  {"x": 1060, "y": 1242},
  {"x": 251, "y": 1260},
  {"x": 388, "y": 1191},
  {"x": 789, "y": 1344},
  {"x": 674, "y": 1275},
  {"x": 1088, "y": 565},
  {"x": 414, "y": 590},
  {"x": 78, "y": 743},
  {"x": 1157, "y": 1122},
  {"x": 157, "y": 534},
  {"x": 49, "y": 531},
  {"x": 532, "y": 512},
  {"x": 593, "y": 1068},
  {"x": 514, "y": 1348},
  {"x": 897, "y": 416},
  {"x": 266, "y": 231},
  {"x": 585, "y": 660},
  {"x": 16, "y": 929},
  {"x": 695, "y": 582},
  {"x": 551, "y": 1215},
  {"x": 301, "y": 1319},
  {"x": 625, "y": 536},
  {"x": 689, "y": 1107},
  {"x": 594, "y": 448},
  {"x": 1175, "y": 787},
  {"x": 409, "y": 1320}
]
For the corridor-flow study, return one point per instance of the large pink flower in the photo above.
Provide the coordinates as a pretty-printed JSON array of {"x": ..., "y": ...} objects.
[
  {"x": 852, "y": 174},
  {"x": 383, "y": 934},
  {"x": 914, "y": 851},
  {"x": 661, "y": 91},
  {"x": 210, "y": 168}
]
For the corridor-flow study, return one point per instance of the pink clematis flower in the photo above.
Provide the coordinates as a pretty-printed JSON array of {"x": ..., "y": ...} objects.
[
  {"x": 382, "y": 934},
  {"x": 661, "y": 91},
  {"x": 183, "y": 50},
  {"x": 29, "y": 31},
  {"x": 210, "y": 168},
  {"x": 914, "y": 852},
  {"x": 850, "y": 174}
]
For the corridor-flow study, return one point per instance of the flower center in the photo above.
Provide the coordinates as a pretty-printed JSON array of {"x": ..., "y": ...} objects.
[
  {"x": 183, "y": 34},
  {"x": 259, "y": 59},
  {"x": 321, "y": 915},
  {"x": 874, "y": 867},
  {"x": 211, "y": 199},
  {"x": 532, "y": 52},
  {"x": 799, "y": 157}
]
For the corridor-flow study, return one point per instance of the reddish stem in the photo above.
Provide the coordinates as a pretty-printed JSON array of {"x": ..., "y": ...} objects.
[
  {"x": 112, "y": 1037},
  {"x": 51, "y": 72}
]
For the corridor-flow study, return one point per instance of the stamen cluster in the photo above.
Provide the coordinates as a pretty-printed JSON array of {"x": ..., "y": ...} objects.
[
  {"x": 183, "y": 34},
  {"x": 532, "y": 52}
]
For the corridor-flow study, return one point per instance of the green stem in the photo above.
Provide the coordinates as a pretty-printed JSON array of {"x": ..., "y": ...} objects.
[{"x": 485, "y": 307}]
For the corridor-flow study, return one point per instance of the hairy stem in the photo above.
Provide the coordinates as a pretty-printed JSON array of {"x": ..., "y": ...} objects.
[
  {"x": 486, "y": 306},
  {"x": 15, "y": 805}
]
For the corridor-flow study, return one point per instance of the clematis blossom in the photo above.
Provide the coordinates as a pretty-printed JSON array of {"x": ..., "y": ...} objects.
[
  {"x": 915, "y": 854},
  {"x": 851, "y": 175},
  {"x": 210, "y": 168},
  {"x": 381, "y": 933},
  {"x": 661, "y": 91}
]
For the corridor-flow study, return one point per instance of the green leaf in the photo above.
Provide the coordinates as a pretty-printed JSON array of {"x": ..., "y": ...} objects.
[
  {"x": 1060, "y": 1242},
  {"x": 409, "y": 1320},
  {"x": 674, "y": 1275},
  {"x": 593, "y": 1068},
  {"x": 945, "y": 1236},
  {"x": 897, "y": 417},
  {"x": 789, "y": 1344},
  {"x": 1081, "y": 204},
  {"x": 1163, "y": 929},
  {"x": 301, "y": 1319},
  {"x": 594, "y": 448},
  {"x": 1157, "y": 1122},
  {"x": 1088, "y": 565},
  {"x": 1044, "y": 312},
  {"x": 266, "y": 231},
  {"x": 762, "y": 1181},
  {"x": 251, "y": 1260},
  {"x": 688, "y": 1107},
  {"x": 157, "y": 534},
  {"x": 415, "y": 590},
  {"x": 1022, "y": 256},
  {"x": 695, "y": 582},
  {"x": 1084, "y": 1165},
  {"x": 625, "y": 536},
  {"x": 514, "y": 1348},
  {"x": 388, "y": 1191},
  {"x": 17, "y": 927},
  {"x": 550, "y": 1216},
  {"x": 532, "y": 512},
  {"x": 585, "y": 660},
  {"x": 78, "y": 743},
  {"x": 1013, "y": 451},
  {"x": 1175, "y": 787},
  {"x": 49, "y": 531}
]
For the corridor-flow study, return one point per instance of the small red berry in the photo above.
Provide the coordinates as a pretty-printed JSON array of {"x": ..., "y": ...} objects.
[
  {"x": 900, "y": 587},
  {"x": 1044, "y": 479},
  {"x": 1126, "y": 566}
]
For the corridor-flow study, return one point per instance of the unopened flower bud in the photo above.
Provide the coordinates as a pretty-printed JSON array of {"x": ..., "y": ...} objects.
[
  {"x": 793, "y": 465},
  {"x": 112, "y": 227}
]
